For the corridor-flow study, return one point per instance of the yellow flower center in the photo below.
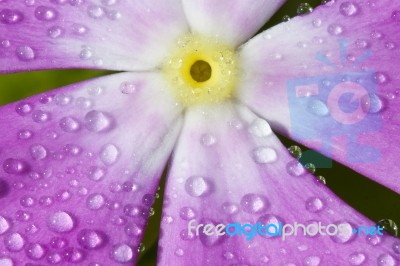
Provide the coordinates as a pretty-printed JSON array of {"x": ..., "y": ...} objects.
[{"x": 201, "y": 70}]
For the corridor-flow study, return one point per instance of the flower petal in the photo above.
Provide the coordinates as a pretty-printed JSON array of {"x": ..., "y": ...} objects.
[
  {"x": 114, "y": 35},
  {"x": 334, "y": 87},
  {"x": 79, "y": 168},
  {"x": 229, "y": 167},
  {"x": 233, "y": 21}
]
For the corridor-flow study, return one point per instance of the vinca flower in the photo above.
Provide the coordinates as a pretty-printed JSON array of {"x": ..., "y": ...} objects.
[{"x": 80, "y": 165}]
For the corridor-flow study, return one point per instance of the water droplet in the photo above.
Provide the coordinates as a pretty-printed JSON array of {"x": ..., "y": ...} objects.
[
  {"x": 27, "y": 201},
  {"x": 260, "y": 128},
  {"x": 122, "y": 253},
  {"x": 208, "y": 140},
  {"x": 285, "y": 18},
  {"x": 264, "y": 155},
  {"x": 197, "y": 186},
  {"x": 62, "y": 99},
  {"x": 83, "y": 103},
  {"x": 179, "y": 252},
  {"x": 371, "y": 103},
  {"x": 79, "y": 29},
  {"x": 25, "y": 134},
  {"x": 389, "y": 226},
  {"x": 38, "y": 152},
  {"x": 24, "y": 108},
  {"x": 6, "y": 262},
  {"x": 127, "y": 87},
  {"x": 54, "y": 258},
  {"x": 55, "y": 32},
  {"x": 361, "y": 44},
  {"x": 4, "y": 225},
  {"x": 357, "y": 258},
  {"x": 374, "y": 240},
  {"x": 335, "y": 29},
  {"x": 395, "y": 246},
  {"x": 35, "y": 251},
  {"x": 321, "y": 180},
  {"x": 95, "y": 11},
  {"x": 58, "y": 243},
  {"x": 39, "y": 116},
  {"x": 270, "y": 219},
  {"x": 114, "y": 15},
  {"x": 312, "y": 261},
  {"x": 69, "y": 124},
  {"x": 314, "y": 204},
  {"x": 46, "y": 201},
  {"x": 5, "y": 43},
  {"x": 95, "y": 201},
  {"x": 304, "y": 8},
  {"x": 386, "y": 260},
  {"x": 133, "y": 230},
  {"x": 109, "y": 154},
  {"x": 295, "y": 168},
  {"x": 73, "y": 255},
  {"x": 15, "y": 166},
  {"x": 60, "y": 222},
  {"x": 348, "y": 9},
  {"x": 25, "y": 53},
  {"x": 91, "y": 239},
  {"x": 254, "y": 203},
  {"x": 318, "y": 107},
  {"x": 229, "y": 208},
  {"x": 345, "y": 237},
  {"x": 209, "y": 241},
  {"x": 45, "y": 13},
  {"x": 97, "y": 121},
  {"x": 14, "y": 242},
  {"x": 310, "y": 167},
  {"x": 295, "y": 151},
  {"x": 133, "y": 210},
  {"x": 376, "y": 35},
  {"x": 187, "y": 213},
  {"x": 8, "y": 16},
  {"x": 96, "y": 173}
]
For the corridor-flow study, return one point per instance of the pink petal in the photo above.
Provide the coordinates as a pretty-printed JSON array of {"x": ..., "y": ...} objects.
[
  {"x": 229, "y": 167},
  {"x": 233, "y": 21},
  {"x": 79, "y": 167},
  {"x": 115, "y": 35},
  {"x": 330, "y": 80}
]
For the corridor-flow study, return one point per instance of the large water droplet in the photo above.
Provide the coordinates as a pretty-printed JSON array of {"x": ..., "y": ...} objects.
[
  {"x": 347, "y": 233},
  {"x": 35, "y": 251},
  {"x": 109, "y": 154},
  {"x": 60, "y": 222},
  {"x": 4, "y": 225},
  {"x": 386, "y": 260},
  {"x": 15, "y": 166},
  {"x": 371, "y": 103},
  {"x": 264, "y": 155},
  {"x": 45, "y": 13},
  {"x": 122, "y": 253},
  {"x": 260, "y": 128},
  {"x": 38, "y": 152},
  {"x": 357, "y": 258},
  {"x": 198, "y": 186},
  {"x": 97, "y": 121},
  {"x": 254, "y": 203},
  {"x": 91, "y": 239},
  {"x": 348, "y": 9},
  {"x": 9, "y": 16},
  {"x": 14, "y": 242},
  {"x": 25, "y": 53}
]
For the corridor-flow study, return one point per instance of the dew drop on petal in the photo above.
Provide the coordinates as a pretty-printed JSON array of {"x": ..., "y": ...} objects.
[
  {"x": 39, "y": 116},
  {"x": 357, "y": 258},
  {"x": 229, "y": 208},
  {"x": 386, "y": 260},
  {"x": 95, "y": 11},
  {"x": 347, "y": 233},
  {"x": 348, "y": 9},
  {"x": 295, "y": 168},
  {"x": 133, "y": 230},
  {"x": 389, "y": 226},
  {"x": 55, "y": 32},
  {"x": 95, "y": 201},
  {"x": 8, "y": 16},
  {"x": 371, "y": 103},
  {"x": 295, "y": 151},
  {"x": 312, "y": 261},
  {"x": 15, "y": 166},
  {"x": 122, "y": 253},
  {"x": 35, "y": 251},
  {"x": 96, "y": 173},
  {"x": 60, "y": 222},
  {"x": 198, "y": 186},
  {"x": 254, "y": 203},
  {"x": 127, "y": 87},
  {"x": 210, "y": 240},
  {"x": 25, "y": 53},
  {"x": 208, "y": 140},
  {"x": 69, "y": 124},
  {"x": 264, "y": 155},
  {"x": 304, "y": 8},
  {"x": 187, "y": 213},
  {"x": 38, "y": 152},
  {"x": 374, "y": 240},
  {"x": 91, "y": 239},
  {"x": 4, "y": 225},
  {"x": 260, "y": 128},
  {"x": 24, "y": 108},
  {"x": 314, "y": 204},
  {"x": 335, "y": 29},
  {"x": 45, "y": 13},
  {"x": 97, "y": 121},
  {"x": 14, "y": 242},
  {"x": 109, "y": 154}
]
